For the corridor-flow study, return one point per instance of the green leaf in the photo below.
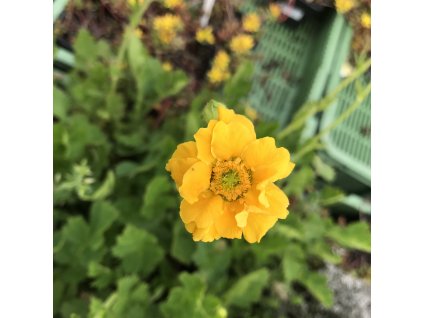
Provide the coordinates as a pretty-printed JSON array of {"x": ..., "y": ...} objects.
[
  {"x": 76, "y": 231},
  {"x": 299, "y": 180},
  {"x": 323, "y": 170},
  {"x": 355, "y": 236},
  {"x": 323, "y": 251},
  {"x": 294, "y": 263},
  {"x": 85, "y": 48},
  {"x": 102, "y": 275},
  {"x": 190, "y": 300},
  {"x": 61, "y": 103},
  {"x": 248, "y": 289},
  {"x": 330, "y": 195},
  {"x": 318, "y": 287},
  {"x": 138, "y": 250},
  {"x": 183, "y": 246},
  {"x": 102, "y": 216},
  {"x": 157, "y": 198},
  {"x": 210, "y": 110}
]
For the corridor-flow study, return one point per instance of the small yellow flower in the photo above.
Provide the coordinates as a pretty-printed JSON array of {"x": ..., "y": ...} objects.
[
  {"x": 166, "y": 27},
  {"x": 241, "y": 44},
  {"x": 275, "y": 10},
  {"x": 172, "y": 4},
  {"x": 251, "y": 112},
  {"x": 167, "y": 66},
  {"x": 205, "y": 35},
  {"x": 219, "y": 71},
  {"x": 226, "y": 179},
  {"x": 343, "y": 6},
  {"x": 217, "y": 75},
  {"x": 365, "y": 20},
  {"x": 251, "y": 22}
]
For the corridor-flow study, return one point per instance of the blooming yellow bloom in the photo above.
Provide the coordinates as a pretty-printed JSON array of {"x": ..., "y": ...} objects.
[
  {"x": 205, "y": 35},
  {"x": 172, "y": 4},
  {"x": 242, "y": 43},
  {"x": 343, "y": 6},
  {"x": 251, "y": 22},
  {"x": 275, "y": 10},
  {"x": 138, "y": 33},
  {"x": 225, "y": 178},
  {"x": 365, "y": 20},
  {"x": 167, "y": 66},
  {"x": 167, "y": 26},
  {"x": 220, "y": 68}
]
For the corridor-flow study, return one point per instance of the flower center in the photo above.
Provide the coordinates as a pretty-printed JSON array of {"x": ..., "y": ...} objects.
[{"x": 230, "y": 179}]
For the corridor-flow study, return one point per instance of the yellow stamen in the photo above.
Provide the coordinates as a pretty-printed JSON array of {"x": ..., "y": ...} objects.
[{"x": 230, "y": 179}]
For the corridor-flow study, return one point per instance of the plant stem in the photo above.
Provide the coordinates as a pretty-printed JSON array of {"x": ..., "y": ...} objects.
[{"x": 311, "y": 144}]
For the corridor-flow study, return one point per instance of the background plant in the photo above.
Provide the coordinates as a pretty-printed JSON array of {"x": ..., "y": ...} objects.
[{"x": 119, "y": 246}]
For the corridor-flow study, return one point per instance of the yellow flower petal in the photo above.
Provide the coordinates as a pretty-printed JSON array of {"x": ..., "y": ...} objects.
[
  {"x": 276, "y": 202},
  {"x": 195, "y": 181},
  {"x": 229, "y": 140},
  {"x": 203, "y": 138},
  {"x": 205, "y": 235},
  {"x": 182, "y": 159},
  {"x": 267, "y": 162},
  {"x": 241, "y": 219},
  {"x": 228, "y": 115},
  {"x": 226, "y": 223},
  {"x": 257, "y": 226},
  {"x": 203, "y": 212}
]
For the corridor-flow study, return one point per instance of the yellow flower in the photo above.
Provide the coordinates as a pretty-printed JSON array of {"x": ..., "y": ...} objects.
[
  {"x": 219, "y": 71},
  {"x": 172, "y": 4},
  {"x": 167, "y": 26},
  {"x": 205, "y": 35},
  {"x": 275, "y": 10},
  {"x": 217, "y": 75},
  {"x": 365, "y": 20},
  {"x": 343, "y": 6},
  {"x": 251, "y": 22},
  {"x": 242, "y": 43},
  {"x": 226, "y": 179},
  {"x": 221, "y": 60},
  {"x": 167, "y": 66}
]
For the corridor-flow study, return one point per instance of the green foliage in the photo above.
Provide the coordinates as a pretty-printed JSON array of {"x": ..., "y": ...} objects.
[
  {"x": 119, "y": 243},
  {"x": 248, "y": 289},
  {"x": 191, "y": 300}
]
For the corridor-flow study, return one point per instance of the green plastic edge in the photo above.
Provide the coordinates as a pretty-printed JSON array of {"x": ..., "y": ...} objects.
[
  {"x": 65, "y": 57},
  {"x": 361, "y": 172}
]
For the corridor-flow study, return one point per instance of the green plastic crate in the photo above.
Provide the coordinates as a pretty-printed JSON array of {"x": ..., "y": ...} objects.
[
  {"x": 348, "y": 145},
  {"x": 293, "y": 64}
]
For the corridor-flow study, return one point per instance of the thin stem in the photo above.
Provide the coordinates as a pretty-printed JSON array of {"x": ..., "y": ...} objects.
[{"x": 313, "y": 142}]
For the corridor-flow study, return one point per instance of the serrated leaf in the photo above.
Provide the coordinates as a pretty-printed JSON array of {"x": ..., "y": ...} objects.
[
  {"x": 355, "y": 236},
  {"x": 318, "y": 287},
  {"x": 156, "y": 197},
  {"x": 102, "y": 275},
  {"x": 183, "y": 246},
  {"x": 191, "y": 300},
  {"x": 61, "y": 103},
  {"x": 138, "y": 251},
  {"x": 247, "y": 289},
  {"x": 102, "y": 216}
]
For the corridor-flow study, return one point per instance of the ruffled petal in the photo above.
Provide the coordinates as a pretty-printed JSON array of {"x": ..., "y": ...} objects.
[
  {"x": 203, "y": 138},
  {"x": 276, "y": 202},
  {"x": 268, "y": 164},
  {"x": 200, "y": 217},
  {"x": 182, "y": 159},
  {"x": 257, "y": 226},
  {"x": 195, "y": 181},
  {"x": 228, "y": 115},
  {"x": 229, "y": 140},
  {"x": 226, "y": 224}
]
